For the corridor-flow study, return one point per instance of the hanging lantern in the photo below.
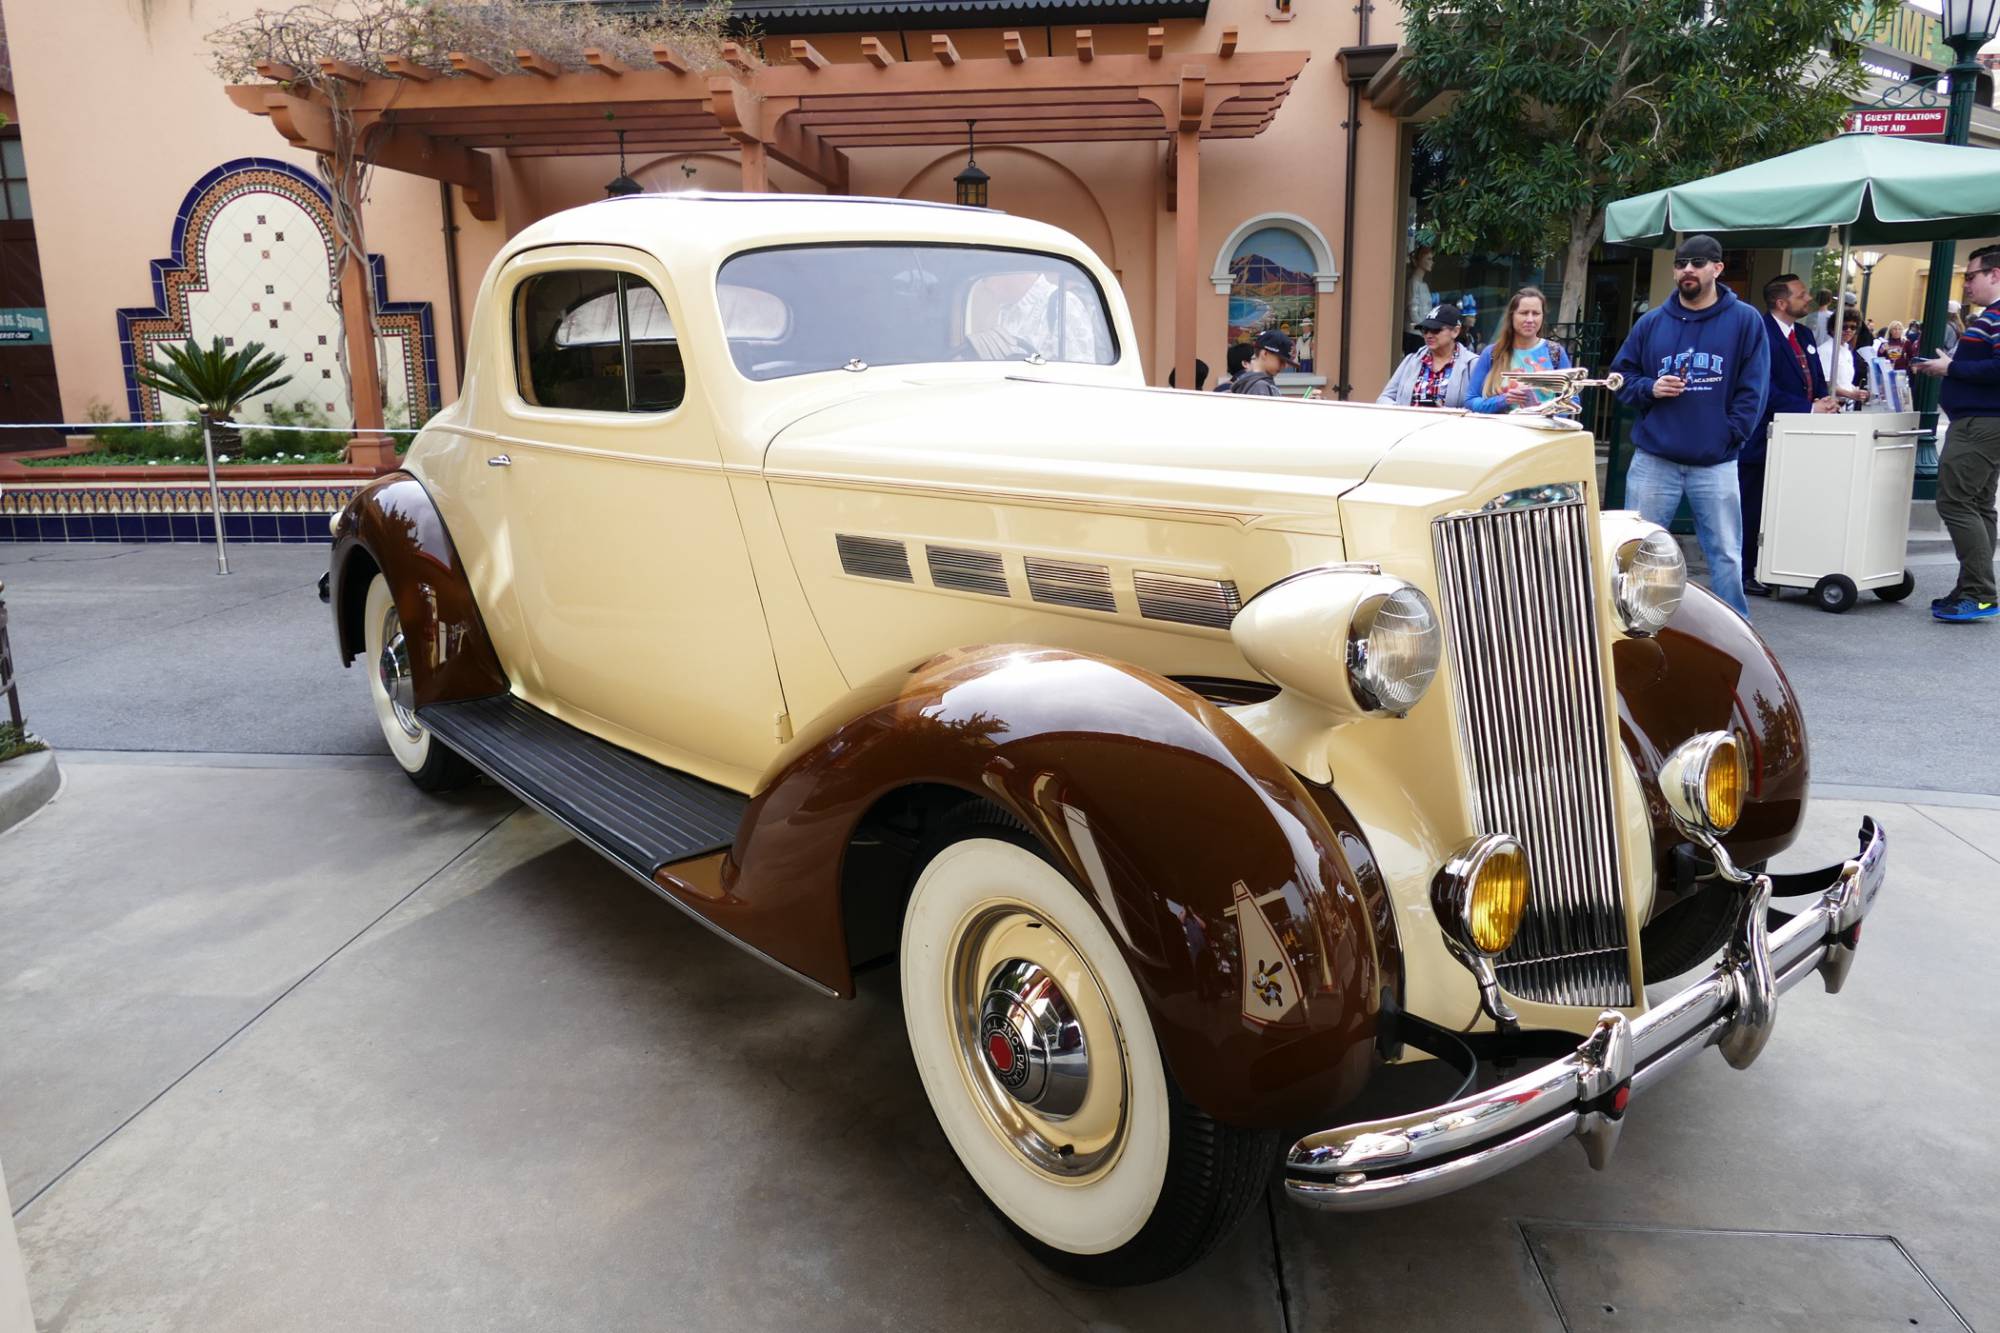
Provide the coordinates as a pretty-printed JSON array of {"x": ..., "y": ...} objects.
[
  {"x": 622, "y": 183},
  {"x": 972, "y": 181}
]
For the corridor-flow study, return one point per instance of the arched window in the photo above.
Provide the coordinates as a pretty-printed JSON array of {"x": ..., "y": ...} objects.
[{"x": 1273, "y": 270}]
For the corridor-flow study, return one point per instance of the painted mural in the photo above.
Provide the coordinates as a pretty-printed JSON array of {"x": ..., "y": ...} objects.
[
  {"x": 1272, "y": 287},
  {"x": 253, "y": 260}
]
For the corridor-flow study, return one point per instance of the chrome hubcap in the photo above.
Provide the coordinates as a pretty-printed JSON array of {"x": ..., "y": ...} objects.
[
  {"x": 1039, "y": 1046},
  {"x": 1033, "y": 1042},
  {"x": 392, "y": 666}
]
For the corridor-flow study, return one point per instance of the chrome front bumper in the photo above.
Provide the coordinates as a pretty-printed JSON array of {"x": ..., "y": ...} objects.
[{"x": 1387, "y": 1163}]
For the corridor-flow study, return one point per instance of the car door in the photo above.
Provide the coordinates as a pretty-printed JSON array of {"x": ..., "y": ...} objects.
[{"x": 631, "y": 567}]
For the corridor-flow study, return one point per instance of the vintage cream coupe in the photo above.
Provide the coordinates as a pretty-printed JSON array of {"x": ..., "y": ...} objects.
[{"x": 828, "y": 566}]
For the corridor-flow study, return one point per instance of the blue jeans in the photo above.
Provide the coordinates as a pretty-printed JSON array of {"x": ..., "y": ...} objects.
[{"x": 1654, "y": 487}]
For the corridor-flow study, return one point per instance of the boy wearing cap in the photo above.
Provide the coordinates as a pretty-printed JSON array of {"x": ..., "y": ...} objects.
[
  {"x": 1439, "y": 375},
  {"x": 1273, "y": 353},
  {"x": 1697, "y": 368}
]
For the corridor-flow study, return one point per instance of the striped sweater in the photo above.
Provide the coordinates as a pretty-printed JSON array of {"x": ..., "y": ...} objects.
[{"x": 1972, "y": 385}]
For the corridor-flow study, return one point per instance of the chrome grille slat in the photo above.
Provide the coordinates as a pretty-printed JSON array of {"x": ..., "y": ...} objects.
[
  {"x": 1518, "y": 600},
  {"x": 967, "y": 570},
  {"x": 1191, "y": 601},
  {"x": 1069, "y": 583},
  {"x": 873, "y": 557}
]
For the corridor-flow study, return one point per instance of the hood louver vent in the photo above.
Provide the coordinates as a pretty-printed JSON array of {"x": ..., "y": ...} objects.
[
  {"x": 1209, "y": 602},
  {"x": 1066, "y": 583},
  {"x": 967, "y": 571},
  {"x": 874, "y": 558}
]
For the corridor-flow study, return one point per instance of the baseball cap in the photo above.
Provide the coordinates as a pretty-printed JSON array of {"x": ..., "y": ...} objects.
[
  {"x": 1442, "y": 316},
  {"x": 1700, "y": 247},
  {"x": 1468, "y": 306},
  {"x": 1273, "y": 340}
]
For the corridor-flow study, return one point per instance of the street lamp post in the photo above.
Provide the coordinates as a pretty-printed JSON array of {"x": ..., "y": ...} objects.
[
  {"x": 1968, "y": 25},
  {"x": 1868, "y": 259}
]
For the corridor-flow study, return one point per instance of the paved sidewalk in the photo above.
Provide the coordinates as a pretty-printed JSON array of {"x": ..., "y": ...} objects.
[
  {"x": 146, "y": 648},
  {"x": 297, "y": 1047}
]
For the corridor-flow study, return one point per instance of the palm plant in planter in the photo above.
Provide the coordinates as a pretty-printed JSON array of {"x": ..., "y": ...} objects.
[{"x": 216, "y": 380}]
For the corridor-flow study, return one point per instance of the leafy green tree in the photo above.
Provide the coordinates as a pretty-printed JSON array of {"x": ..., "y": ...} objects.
[{"x": 1560, "y": 107}]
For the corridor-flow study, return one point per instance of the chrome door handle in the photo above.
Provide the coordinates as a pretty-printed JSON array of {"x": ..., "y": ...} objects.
[{"x": 499, "y": 460}]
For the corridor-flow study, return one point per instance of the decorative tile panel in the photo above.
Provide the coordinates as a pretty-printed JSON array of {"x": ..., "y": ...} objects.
[
  {"x": 215, "y": 284},
  {"x": 169, "y": 511}
]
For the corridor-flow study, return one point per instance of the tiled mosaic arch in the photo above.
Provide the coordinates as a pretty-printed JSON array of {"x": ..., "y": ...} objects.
[{"x": 282, "y": 265}]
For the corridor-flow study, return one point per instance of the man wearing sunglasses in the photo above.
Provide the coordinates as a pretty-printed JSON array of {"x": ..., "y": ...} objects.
[
  {"x": 1697, "y": 369},
  {"x": 1969, "y": 468}
]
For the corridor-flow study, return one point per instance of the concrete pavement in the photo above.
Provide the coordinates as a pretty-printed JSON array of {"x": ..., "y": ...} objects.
[{"x": 297, "y": 1047}]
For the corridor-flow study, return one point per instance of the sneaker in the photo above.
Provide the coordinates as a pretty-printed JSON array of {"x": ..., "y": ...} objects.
[
  {"x": 1940, "y": 603},
  {"x": 1966, "y": 609}
]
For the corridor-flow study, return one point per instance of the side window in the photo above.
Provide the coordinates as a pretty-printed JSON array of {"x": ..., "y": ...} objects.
[{"x": 596, "y": 341}]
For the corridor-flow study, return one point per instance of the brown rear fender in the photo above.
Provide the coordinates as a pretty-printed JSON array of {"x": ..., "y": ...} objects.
[
  {"x": 1709, "y": 671},
  {"x": 1164, "y": 813},
  {"x": 392, "y": 527}
]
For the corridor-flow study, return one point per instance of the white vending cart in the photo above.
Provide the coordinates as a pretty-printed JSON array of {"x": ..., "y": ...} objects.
[{"x": 1837, "y": 505}]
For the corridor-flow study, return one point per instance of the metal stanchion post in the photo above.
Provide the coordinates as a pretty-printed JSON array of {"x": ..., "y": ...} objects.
[{"x": 214, "y": 496}]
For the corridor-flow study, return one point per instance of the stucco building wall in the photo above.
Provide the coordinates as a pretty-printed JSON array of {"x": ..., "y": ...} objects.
[{"x": 110, "y": 174}]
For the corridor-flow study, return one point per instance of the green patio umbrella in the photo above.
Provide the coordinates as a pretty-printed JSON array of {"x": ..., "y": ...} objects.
[{"x": 1872, "y": 189}]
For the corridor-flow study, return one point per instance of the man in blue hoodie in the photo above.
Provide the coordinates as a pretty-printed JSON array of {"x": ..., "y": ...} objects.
[{"x": 1697, "y": 368}]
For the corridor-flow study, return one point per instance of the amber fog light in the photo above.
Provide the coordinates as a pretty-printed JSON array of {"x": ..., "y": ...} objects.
[
  {"x": 1704, "y": 782},
  {"x": 1481, "y": 894}
]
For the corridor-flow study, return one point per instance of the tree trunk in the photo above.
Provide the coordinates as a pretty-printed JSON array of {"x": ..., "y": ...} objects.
[{"x": 1585, "y": 226}]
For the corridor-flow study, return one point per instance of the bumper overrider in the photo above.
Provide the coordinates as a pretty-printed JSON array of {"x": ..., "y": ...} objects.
[{"x": 1584, "y": 1095}]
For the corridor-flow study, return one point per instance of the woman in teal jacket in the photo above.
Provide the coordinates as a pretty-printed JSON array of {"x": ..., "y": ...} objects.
[{"x": 1518, "y": 346}]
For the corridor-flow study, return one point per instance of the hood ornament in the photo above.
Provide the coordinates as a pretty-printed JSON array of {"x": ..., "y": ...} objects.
[{"x": 1561, "y": 411}]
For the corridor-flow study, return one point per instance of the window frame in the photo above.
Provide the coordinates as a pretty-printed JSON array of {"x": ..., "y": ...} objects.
[{"x": 534, "y": 267}]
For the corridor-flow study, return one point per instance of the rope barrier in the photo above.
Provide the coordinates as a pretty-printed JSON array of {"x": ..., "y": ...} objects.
[{"x": 175, "y": 425}]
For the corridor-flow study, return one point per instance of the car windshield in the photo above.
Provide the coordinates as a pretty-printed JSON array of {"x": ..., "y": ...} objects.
[{"x": 832, "y": 307}]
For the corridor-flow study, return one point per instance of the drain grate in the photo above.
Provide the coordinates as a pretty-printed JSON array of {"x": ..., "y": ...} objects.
[{"x": 1657, "y": 1279}]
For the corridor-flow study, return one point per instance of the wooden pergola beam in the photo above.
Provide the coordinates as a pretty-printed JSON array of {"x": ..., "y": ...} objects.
[
  {"x": 1228, "y": 44},
  {"x": 669, "y": 59},
  {"x": 537, "y": 64},
  {"x": 1086, "y": 45},
  {"x": 346, "y": 71},
  {"x": 277, "y": 71},
  {"x": 403, "y": 67},
  {"x": 875, "y": 53},
  {"x": 472, "y": 65},
  {"x": 605, "y": 63},
  {"x": 944, "y": 49},
  {"x": 1156, "y": 43},
  {"x": 738, "y": 58},
  {"x": 807, "y": 56},
  {"x": 1016, "y": 49}
]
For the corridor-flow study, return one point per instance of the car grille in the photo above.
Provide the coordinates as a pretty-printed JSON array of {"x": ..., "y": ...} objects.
[{"x": 1520, "y": 616}]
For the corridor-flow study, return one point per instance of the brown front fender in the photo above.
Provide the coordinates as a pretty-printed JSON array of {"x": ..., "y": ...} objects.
[
  {"x": 392, "y": 526},
  {"x": 1156, "y": 803},
  {"x": 1709, "y": 671}
]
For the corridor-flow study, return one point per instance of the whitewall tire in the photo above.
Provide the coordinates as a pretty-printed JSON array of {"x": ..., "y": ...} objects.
[
  {"x": 1037, "y": 1052},
  {"x": 430, "y": 763}
]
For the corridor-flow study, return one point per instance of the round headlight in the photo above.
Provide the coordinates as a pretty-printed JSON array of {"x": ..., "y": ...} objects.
[
  {"x": 1651, "y": 578},
  {"x": 1393, "y": 643},
  {"x": 1481, "y": 894},
  {"x": 1704, "y": 782}
]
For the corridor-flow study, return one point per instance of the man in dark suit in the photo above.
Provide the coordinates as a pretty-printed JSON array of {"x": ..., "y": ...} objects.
[{"x": 1798, "y": 384}]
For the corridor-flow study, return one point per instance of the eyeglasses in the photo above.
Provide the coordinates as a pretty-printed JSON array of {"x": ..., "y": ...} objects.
[{"x": 1690, "y": 263}]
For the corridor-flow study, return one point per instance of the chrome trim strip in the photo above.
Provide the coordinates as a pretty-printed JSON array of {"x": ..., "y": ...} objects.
[
  {"x": 1190, "y": 601},
  {"x": 1070, "y": 583},
  {"x": 967, "y": 571},
  {"x": 1518, "y": 600},
  {"x": 874, "y": 558},
  {"x": 1383, "y": 1163}
]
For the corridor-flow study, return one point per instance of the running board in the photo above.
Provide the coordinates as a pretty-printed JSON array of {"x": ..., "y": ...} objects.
[{"x": 640, "y": 814}]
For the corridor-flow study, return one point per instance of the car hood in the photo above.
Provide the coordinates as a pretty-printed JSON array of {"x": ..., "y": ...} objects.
[{"x": 1272, "y": 462}]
